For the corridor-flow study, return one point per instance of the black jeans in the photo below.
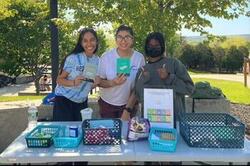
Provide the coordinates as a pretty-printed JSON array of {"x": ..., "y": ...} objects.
[{"x": 67, "y": 110}]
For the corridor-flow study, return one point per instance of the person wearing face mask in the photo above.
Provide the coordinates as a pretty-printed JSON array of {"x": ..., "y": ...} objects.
[{"x": 160, "y": 72}]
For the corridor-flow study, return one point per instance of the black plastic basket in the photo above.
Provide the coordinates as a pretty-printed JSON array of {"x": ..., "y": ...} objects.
[
  {"x": 212, "y": 130},
  {"x": 42, "y": 136},
  {"x": 102, "y": 131}
]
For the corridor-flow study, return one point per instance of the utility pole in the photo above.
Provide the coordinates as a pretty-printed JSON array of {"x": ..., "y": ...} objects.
[{"x": 54, "y": 42}]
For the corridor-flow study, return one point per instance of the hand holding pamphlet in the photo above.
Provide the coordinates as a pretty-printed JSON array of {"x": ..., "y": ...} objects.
[
  {"x": 123, "y": 66},
  {"x": 89, "y": 72}
]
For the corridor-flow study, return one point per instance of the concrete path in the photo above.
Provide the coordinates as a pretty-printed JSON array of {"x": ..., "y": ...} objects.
[
  {"x": 12, "y": 90},
  {"x": 230, "y": 77}
]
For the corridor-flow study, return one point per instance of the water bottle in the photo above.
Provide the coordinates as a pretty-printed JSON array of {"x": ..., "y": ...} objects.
[{"x": 32, "y": 116}]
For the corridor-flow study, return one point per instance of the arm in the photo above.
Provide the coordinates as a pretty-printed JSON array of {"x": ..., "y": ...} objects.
[
  {"x": 180, "y": 80},
  {"x": 104, "y": 83},
  {"x": 96, "y": 82},
  {"x": 62, "y": 80},
  {"x": 102, "y": 74},
  {"x": 131, "y": 102},
  {"x": 68, "y": 67}
]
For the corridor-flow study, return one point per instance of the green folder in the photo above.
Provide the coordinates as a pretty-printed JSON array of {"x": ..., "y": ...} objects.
[{"x": 123, "y": 66}]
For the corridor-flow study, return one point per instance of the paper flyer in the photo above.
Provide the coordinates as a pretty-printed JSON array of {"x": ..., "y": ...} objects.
[{"x": 158, "y": 107}]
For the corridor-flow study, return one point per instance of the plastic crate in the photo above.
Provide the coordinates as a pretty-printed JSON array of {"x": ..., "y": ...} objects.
[
  {"x": 212, "y": 130},
  {"x": 163, "y": 139},
  {"x": 42, "y": 136},
  {"x": 102, "y": 131},
  {"x": 63, "y": 140}
]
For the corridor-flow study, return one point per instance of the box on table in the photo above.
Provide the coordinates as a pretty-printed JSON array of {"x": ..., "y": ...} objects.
[
  {"x": 163, "y": 139},
  {"x": 42, "y": 136},
  {"x": 212, "y": 130},
  {"x": 102, "y": 131},
  {"x": 63, "y": 140}
]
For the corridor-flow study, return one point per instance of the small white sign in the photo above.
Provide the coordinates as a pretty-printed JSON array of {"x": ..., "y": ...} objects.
[{"x": 159, "y": 107}]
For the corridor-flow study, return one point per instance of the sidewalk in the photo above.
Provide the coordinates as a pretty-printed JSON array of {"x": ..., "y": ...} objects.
[
  {"x": 12, "y": 90},
  {"x": 239, "y": 77}
]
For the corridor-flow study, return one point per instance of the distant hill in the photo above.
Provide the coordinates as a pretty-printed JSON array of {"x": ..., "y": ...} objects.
[{"x": 198, "y": 39}]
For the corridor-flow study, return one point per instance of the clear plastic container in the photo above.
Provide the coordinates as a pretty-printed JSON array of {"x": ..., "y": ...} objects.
[{"x": 32, "y": 116}]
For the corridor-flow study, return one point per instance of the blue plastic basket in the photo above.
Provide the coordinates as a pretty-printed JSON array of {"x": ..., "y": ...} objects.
[
  {"x": 64, "y": 141},
  {"x": 42, "y": 136},
  {"x": 102, "y": 131},
  {"x": 158, "y": 143},
  {"x": 212, "y": 130}
]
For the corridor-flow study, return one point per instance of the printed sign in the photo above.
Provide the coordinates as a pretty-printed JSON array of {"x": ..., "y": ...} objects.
[{"x": 158, "y": 107}]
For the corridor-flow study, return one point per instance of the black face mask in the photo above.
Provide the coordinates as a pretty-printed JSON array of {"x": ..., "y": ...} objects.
[{"x": 154, "y": 52}]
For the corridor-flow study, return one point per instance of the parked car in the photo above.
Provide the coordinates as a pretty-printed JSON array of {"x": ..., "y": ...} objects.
[{"x": 5, "y": 80}]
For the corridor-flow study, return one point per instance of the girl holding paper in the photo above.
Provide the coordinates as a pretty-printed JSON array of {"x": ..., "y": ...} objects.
[
  {"x": 117, "y": 70},
  {"x": 72, "y": 86},
  {"x": 161, "y": 72}
]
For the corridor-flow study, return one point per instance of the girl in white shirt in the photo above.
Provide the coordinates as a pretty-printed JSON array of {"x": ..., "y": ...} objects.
[{"x": 115, "y": 89}]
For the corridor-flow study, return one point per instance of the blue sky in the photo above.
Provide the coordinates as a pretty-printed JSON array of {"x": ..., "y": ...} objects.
[{"x": 240, "y": 25}]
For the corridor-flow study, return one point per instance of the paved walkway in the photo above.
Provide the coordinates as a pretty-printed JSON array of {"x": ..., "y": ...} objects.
[
  {"x": 12, "y": 90},
  {"x": 230, "y": 77}
]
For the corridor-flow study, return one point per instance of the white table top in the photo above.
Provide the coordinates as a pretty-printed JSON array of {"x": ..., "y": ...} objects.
[
  {"x": 185, "y": 153},
  {"x": 18, "y": 152}
]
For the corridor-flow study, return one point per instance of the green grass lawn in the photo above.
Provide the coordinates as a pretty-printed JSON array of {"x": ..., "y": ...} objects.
[
  {"x": 19, "y": 98},
  {"x": 234, "y": 91}
]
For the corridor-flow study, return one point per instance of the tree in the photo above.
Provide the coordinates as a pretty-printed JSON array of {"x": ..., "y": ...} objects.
[
  {"x": 5, "y": 12},
  {"x": 166, "y": 16},
  {"x": 189, "y": 57},
  {"x": 102, "y": 42},
  {"x": 24, "y": 39},
  {"x": 244, "y": 50},
  {"x": 219, "y": 54},
  {"x": 205, "y": 56},
  {"x": 233, "y": 41},
  {"x": 234, "y": 59}
]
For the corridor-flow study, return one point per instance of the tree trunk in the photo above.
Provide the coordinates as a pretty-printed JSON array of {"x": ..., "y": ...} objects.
[{"x": 37, "y": 86}]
